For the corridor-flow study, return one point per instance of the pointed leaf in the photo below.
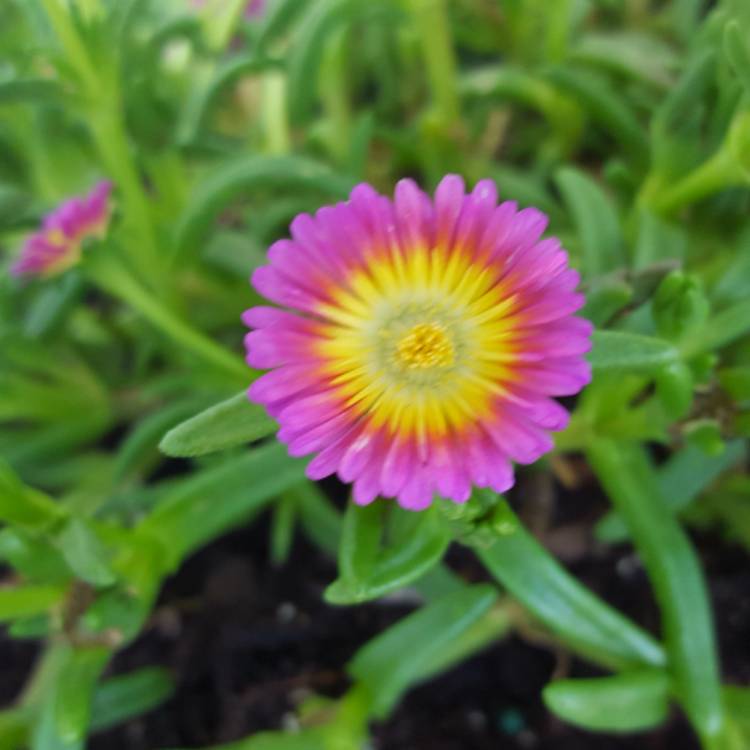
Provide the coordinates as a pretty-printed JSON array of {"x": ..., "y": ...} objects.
[
  {"x": 391, "y": 662},
  {"x": 622, "y": 352},
  {"x": 233, "y": 422},
  {"x": 557, "y": 599},
  {"x": 628, "y": 702}
]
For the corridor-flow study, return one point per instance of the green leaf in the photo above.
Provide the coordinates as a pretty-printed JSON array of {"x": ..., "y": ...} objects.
[
  {"x": 240, "y": 175},
  {"x": 27, "y": 601},
  {"x": 319, "y": 519},
  {"x": 605, "y": 298},
  {"x": 367, "y": 570},
  {"x": 504, "y": 82},
  {"x": 721, "y": 329},
  {"x": 28, "y": 90},
  {"x": 681, "y": 479},
  {"x": 675, "y": 109},
  {"x": 736, "y": 51},
  {"x": 736, "y": 382},
  {"x": 628, "y": 702},
  {"x": 310, "y": 739},
  {"x": 85, "y": 553},
  {"x": 640, "y": 56},
  {"x": 33, "y": 556},
  {"x": 605, "y": 107},
  {"x": 282, "y": 528},
  {"x": 74, "y": 694},
  {"x": 230, "y": 423},
  {"x": 278, "y": 19},
  {"x": 205, "y": 97},
  {"x": 216, "y": 499},
  {"x": 393, "y": 661},
  {"x": 622, "y": 352},
  {"x": 307, "y": 52},
  {"x": 146, "y": 435},
  {"x": 657, "y": 240},
  {"x": 127, "y": 696},
  {"x": 360, "y": 540},
  {"x": 23, "y": 505},
  {"x": 675, "y": 574},
  {"x": 737, "y": 703},
  {"x": 14, "y": 723},
  {"x": 595, "y": 219},
  {"x": 49, "y": 311},
  {"x": 581, "y": 619}
]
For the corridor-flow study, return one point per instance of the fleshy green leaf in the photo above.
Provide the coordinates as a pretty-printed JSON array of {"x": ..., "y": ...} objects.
[
  {"x": 367, "y": 571},
  {"x": 23, "y": 505},
  {"x": 675, "y": 573},
  {"x": 85, "y": 553},
  {"x": 218, "y": 189},
  {"x": 390, "y": 663},
  {"x": 216, "y": 499},
  {"x": 628, "y": 702},
  {"x": 681, "y": 479},
  {"x": 581, "y": 619},
  {"x": 622, "y": 352},
  {"x": 124, "y": 697},
  {"x": 596, "y": 221},
  {"x": 230, "y": 423},
  {"x": 27, "y": 601},
  {"x": 73, "y": 697},
  {"x": 736, "y": 50}
]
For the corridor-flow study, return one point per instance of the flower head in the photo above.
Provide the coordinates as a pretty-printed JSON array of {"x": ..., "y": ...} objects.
[
  {"x": 419, "y": 342},
  {"x": 56, "y": 246}
]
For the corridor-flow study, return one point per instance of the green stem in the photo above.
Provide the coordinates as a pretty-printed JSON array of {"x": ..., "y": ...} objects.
[
  {"x": 112, "y": 143},
  {"x": 116, "y": 280},
  {"x": 335, "y": 96},
  {"x": 719, "y": 172},
  {"x": 75, "y": 50},
  {"x": 275, "y": 119},
  {"x": 434, "y": 28},
  {"x": 222, "y": 21},
  {"x": 104, "y": 111}
]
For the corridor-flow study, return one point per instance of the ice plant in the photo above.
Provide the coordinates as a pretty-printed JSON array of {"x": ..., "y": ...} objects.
[
  {"x": 57, "y": 245},
  {"x": 419, "y": 343}
]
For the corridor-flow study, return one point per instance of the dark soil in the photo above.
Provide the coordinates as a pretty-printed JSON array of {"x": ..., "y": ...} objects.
[{"x": 246, "y": 642}]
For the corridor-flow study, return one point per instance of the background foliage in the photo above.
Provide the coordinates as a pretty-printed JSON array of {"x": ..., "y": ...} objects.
[{"x": 627, "y": 121}]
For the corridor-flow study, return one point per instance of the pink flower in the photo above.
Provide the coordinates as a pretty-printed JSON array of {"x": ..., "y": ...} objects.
[
  {"x": 56, "y": 246},
  {"x": 418, "y": 343}
]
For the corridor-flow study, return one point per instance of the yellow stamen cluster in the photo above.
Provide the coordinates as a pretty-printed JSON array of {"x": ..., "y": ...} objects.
[{"x": 424, "y": 346}]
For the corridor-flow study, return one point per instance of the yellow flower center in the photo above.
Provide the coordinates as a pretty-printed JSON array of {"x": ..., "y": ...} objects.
[{"x": 424, "y": 346}]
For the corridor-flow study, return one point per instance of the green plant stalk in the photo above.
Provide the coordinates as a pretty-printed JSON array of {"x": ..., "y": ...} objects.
[
  {"x": 275, "y": 118},
  {"x": 103, "y": 109},
  {"x": 221, "y": 21},
  {"x": 433, "y": 25},
  {"x": 719, "y": 172},
  {"x": 107, "y": 273},
  {"x": 674, "y": 570},
  {"x": 557, "y": 29},
  {"x": 112, "y": 144},
  {"x": 335, "y": 97},
  {"x": 75, "y": 50}
]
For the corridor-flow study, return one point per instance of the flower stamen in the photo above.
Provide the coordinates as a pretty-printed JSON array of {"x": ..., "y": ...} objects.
[{"x": 424, "y": 346}]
